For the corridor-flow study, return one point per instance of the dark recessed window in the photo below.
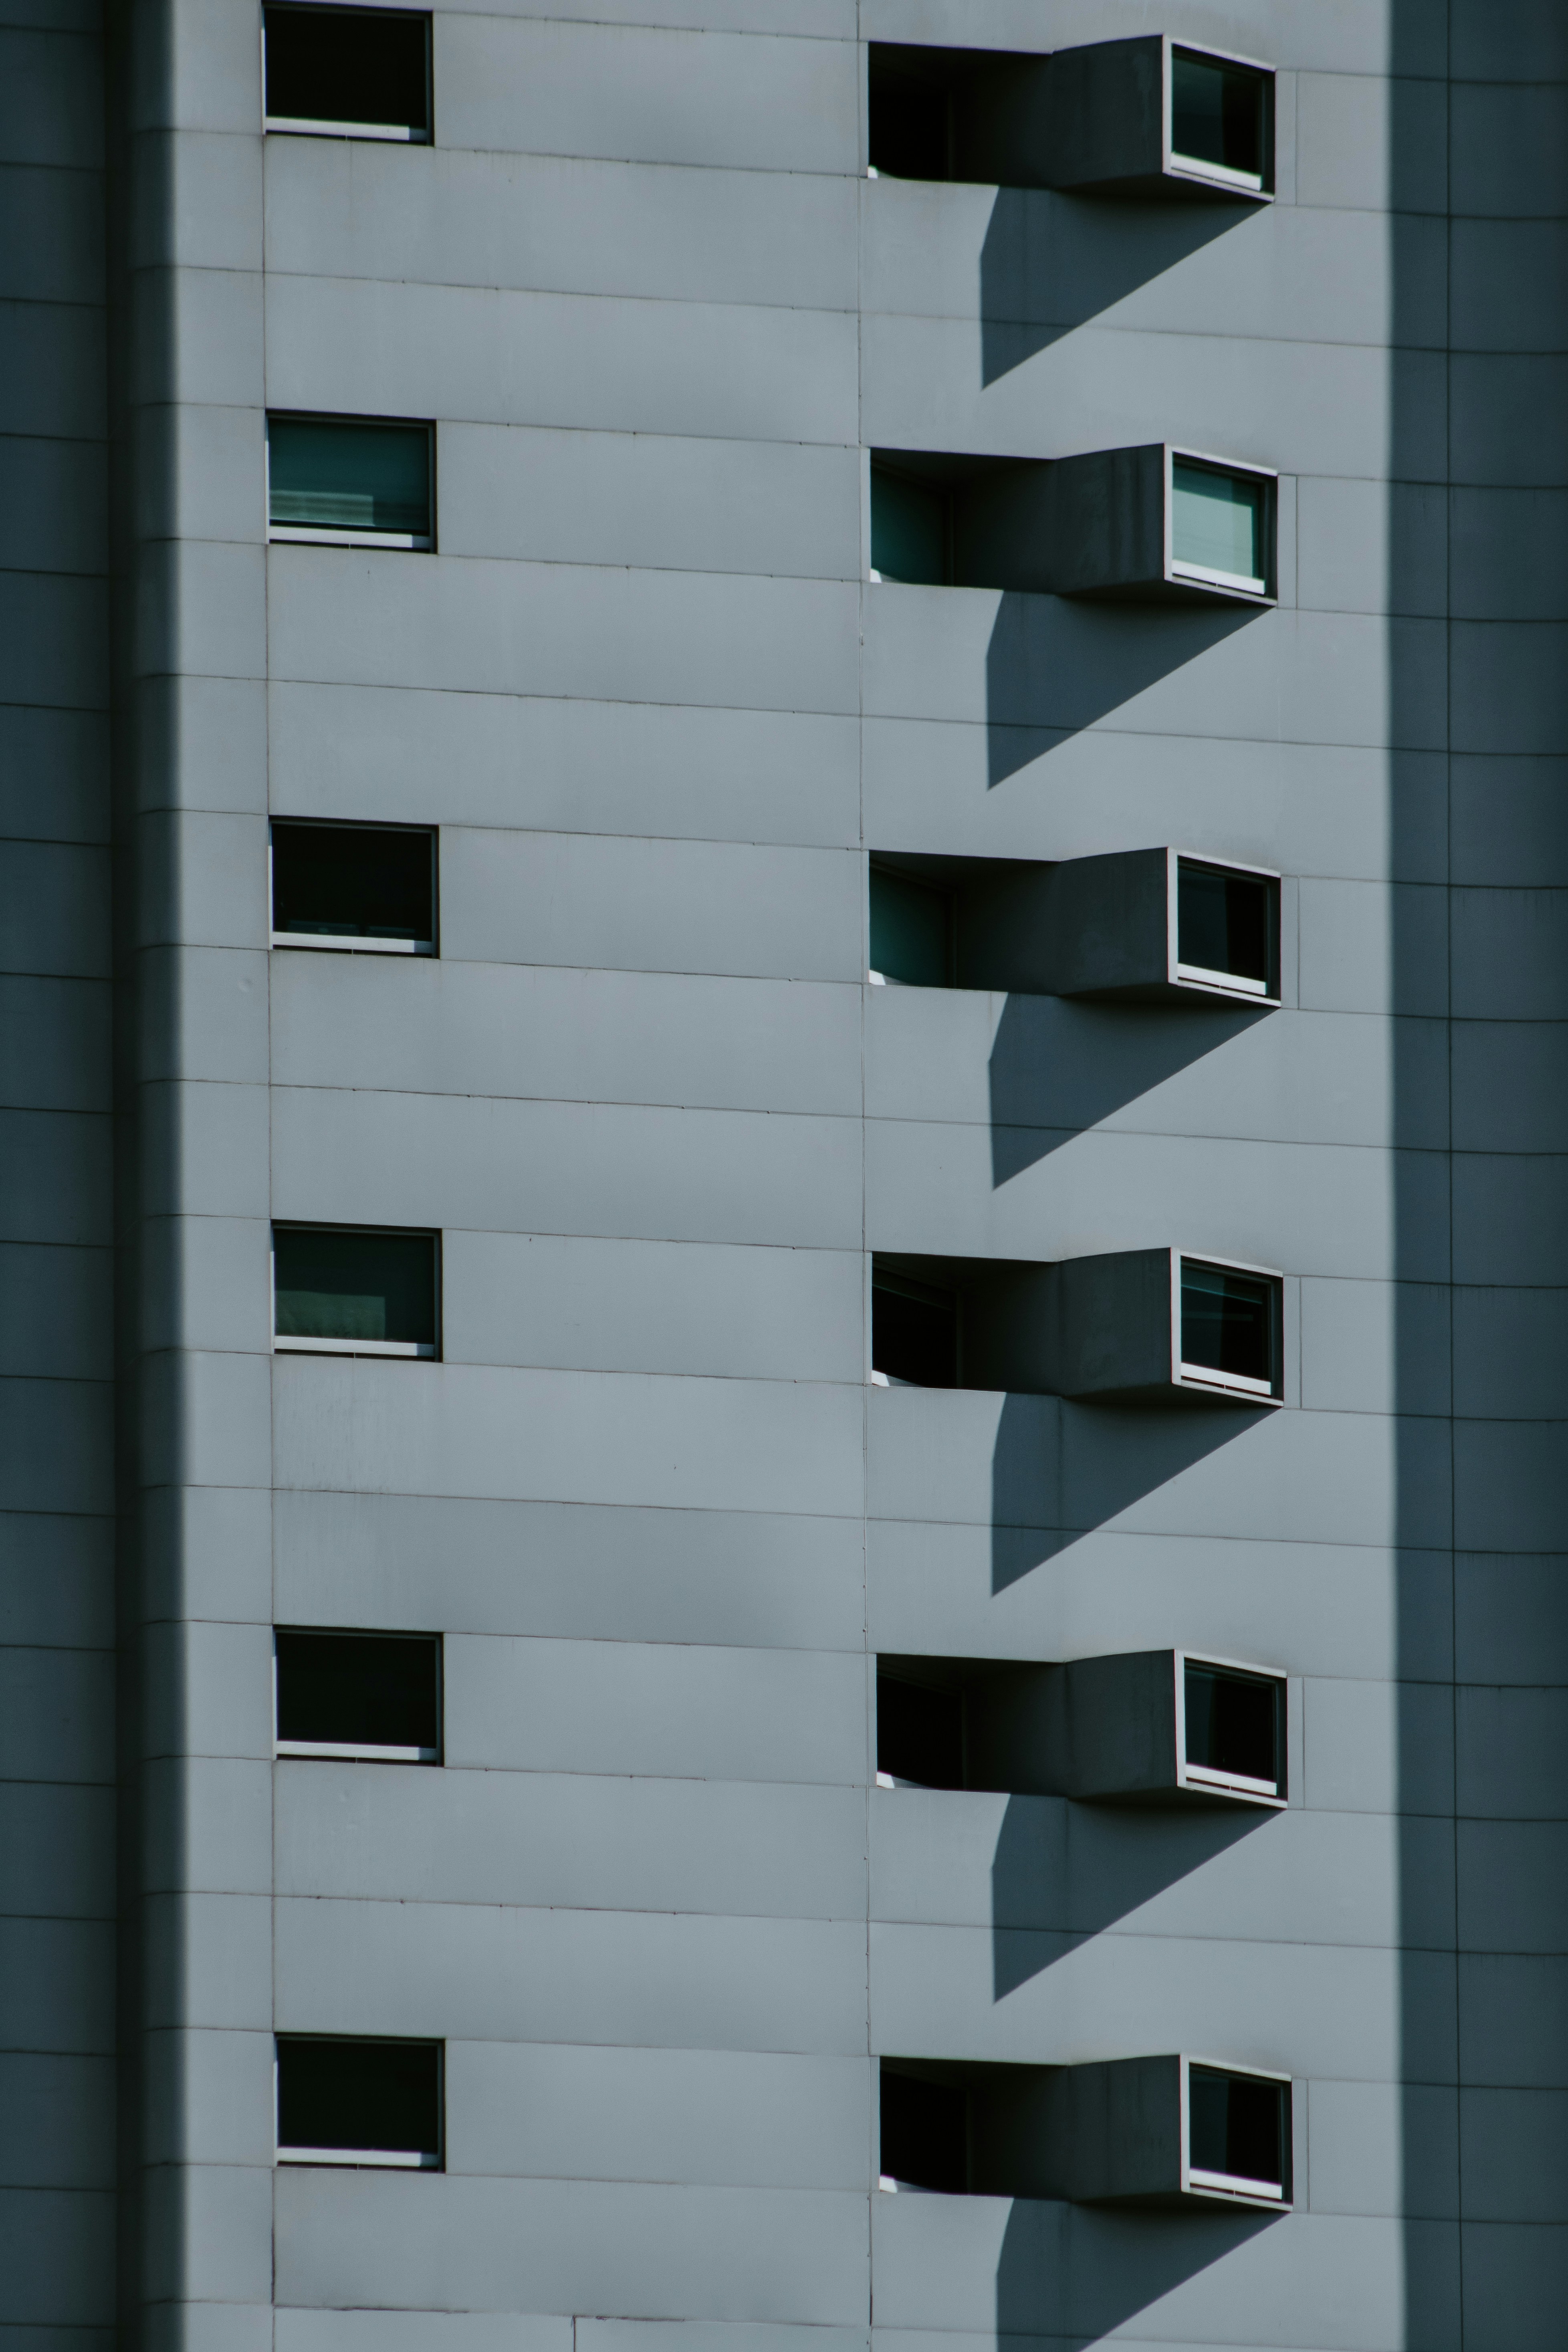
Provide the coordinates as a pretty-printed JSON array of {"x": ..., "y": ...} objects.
[
  {"x": 355, "y": 1290},
  {"x": 1236, "y": 1728},
  {"x": 376, "y": 1696},
  {"x": 914, "y": 1332},
  {"x": 910, "y": 529},
  {"x": 925, "y": 2133},
  {"x": 1229, "y": 1329},
  {"x": 1237, "y": 2131},
  {"x": 354, "y": 885},
  {"x": 910, "y": 114},
  {"x": 1219, "y": 526},
  {"x": 1219, "y": 119},
  {"x": 350, "y": 481},
  {"x": 911, "y": 930},
  {"x": 343, "y": 2102},
  {"x": 360, "y": 72},
  {"x": 1226, "y": 928},
  {"x": 919, "y": 1733}
]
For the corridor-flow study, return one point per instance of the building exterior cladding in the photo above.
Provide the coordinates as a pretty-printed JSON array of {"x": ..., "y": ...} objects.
[{"x": 652, "y": 1901}]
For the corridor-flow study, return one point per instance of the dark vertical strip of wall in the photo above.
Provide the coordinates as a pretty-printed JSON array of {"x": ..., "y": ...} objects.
[{"x": 57, "y": 1659}]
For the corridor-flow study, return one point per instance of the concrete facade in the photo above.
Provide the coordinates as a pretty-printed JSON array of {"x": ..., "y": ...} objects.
[{"x": 652, "y": 1901}]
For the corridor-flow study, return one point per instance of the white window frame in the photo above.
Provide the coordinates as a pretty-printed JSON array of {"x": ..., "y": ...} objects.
[
  {"x": 1196, "y": 977},
  {"x": 1247, "y": 587},
  {"x": 1232, "y": 2189},
  {"x": 350, "y": 942},
  {"x": 313, "y": 126},
  {"x": 1202, "y": 1379},
  {"x": 300, "y": 534},
  {"x": 345, "y": 1752},
  {"x": 1222, "y": 177},
  {"x": 1200, "y": 1779},
  {"x": 288, "y": 1344}
]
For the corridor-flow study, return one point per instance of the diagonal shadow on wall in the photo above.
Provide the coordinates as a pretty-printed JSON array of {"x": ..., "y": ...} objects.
[
  {"x": 1050, "y": 263},
  {"x": 1055, "y": 665},
  {"x": 1057, "y": 1068},
  {"x": 1070, "y": 2275}
]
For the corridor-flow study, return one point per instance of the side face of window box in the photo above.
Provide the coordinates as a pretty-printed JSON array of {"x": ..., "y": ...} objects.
[
  {"x": 366, "y": 888},
  {"x": 351, "y": 481},
  {"x": 1226, "y": 1328},
  {"x": 355, "y": 1290},
  {"x": 1236, "y": 2134},
  {"x": 347, "y": 73},
  {"x": 372, "y": 1697},
  {"x": 360, "y": 2101}
]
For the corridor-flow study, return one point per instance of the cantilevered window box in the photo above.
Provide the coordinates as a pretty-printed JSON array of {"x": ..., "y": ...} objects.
[
  {"x": 360, "y": 2101},
  {"x": 355, "y": 1290},
  {"x": 347, "y": 73},
  {"x": 361, "y": 1697},
  {"x": 351, "y": 481},
  {"x": 366, "y": 888}
]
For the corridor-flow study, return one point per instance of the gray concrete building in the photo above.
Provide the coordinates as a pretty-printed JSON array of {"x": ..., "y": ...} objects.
[{"x": 784, "y": 1194}]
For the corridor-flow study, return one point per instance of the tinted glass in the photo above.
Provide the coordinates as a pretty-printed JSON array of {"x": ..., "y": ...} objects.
[
  {"x": 1217, "y": 113},
  {"x": 1234, "y": 1722},
  {"x": 332, "y": 1282},
  {"x": 914, "y": 1333},
  {"x": 1227, "y": 1321},
  {"x": 353, "y": 881},
  {"x": 1216, "y": 521},
  {"x": 911, "y": 930},
  {"x": 358, "y": 1690},
  {"x": 908, "y": 121},
  {"x": 349, "y": 65},
  {"x": 919, "y": 1733},
  {"x": 1224, "y": 922},
  {"x": 924, "y": 2133},
  {"x": 323, "y": 476},
  {"x": 369, "y": 2094},
  {"x": 909, "y": 529},
  {"x": 1237, "y": 2125}
]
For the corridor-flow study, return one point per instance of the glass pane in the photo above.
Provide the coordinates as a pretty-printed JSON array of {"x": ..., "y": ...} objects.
[
  {"x": 367, "y": 2094},
  {"x": 919, "y": 1733},
  {"x": 1236, "y": 2126},
  {"x": 348, "y": 477},
  {"x": 909, "y": 529},
  {"x": 1227, "y": 1321},
  {"x": 911, "y": 926},
  {"x": 914, "y": 1333},
  {"x": 1216, "y": 114},
  {"x": 1223, "y": 921},
  {"x": 908, "y": 122},
  {"x": 353, "y": 881},
  {"x": 924, "y": 2134},
  {"x": 1233, "y": 1722},
  {"x": 1217, "y": 521},
  {"x": 362, "y": 1690},
  {"x": 348, "y": 65},
  {"x": 336, "y": 1284}
]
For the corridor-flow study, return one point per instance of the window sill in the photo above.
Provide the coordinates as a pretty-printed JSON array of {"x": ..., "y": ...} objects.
[
  {"x": 343, "y": 1752},
  {"x": 286, "y": 1344},
  {"x": 1203, "y": 1782},
  {"x": 291, "y": 534},
  {"x": 351, "y": 944},
  {"x": 394, "y": 2159},
  {"x": 1225, "y": 984},
  {"x": 1235, "y": 1385},
  {"x": 1217, "y": 175},
  {"x": 1224, "y": 584},
  {"x": 1233, "y": 2186},
  {"x": 310, "y": 126}
]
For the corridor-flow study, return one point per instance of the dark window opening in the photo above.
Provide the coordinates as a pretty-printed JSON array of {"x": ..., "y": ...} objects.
[
  {"x": 1228, "y": 1323},
  {"x": 911, "y": 930},
  {"x": 1225, "y": 924},
  {"x": 912, "y": 531},
  {"x": 1218, "y": 115},
  {"x": 349, "y": 474},
  {"x": 378, "y": 2097},
  {"x": 360, "y": 1691},
  {"x": 1237, "y": 2126},
  {"x": 359, "y": 68},
  {"x": 919, "y": 1733},
  {"x": 354, "y": 882},
  {"x": 1236, "y": 1723},
  {"x": 925, "y": 2133},
  {"x": 914, "y": 1332},
  {"x": 355, "y": 1285},
  {"x": 910, "y": 115}
]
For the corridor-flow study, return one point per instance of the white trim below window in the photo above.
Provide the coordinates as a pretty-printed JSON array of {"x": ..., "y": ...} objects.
[
  {"x": 351, "y": 944},
  {"x": 1234, "y": 983},
  {"x": 310, "y": 126},
  {"x": 1234, "y": 1383},
  {"x": 1233, "y": 2184},
  {"x": 397, "y": 2159},
  {"x": 1225, "y": 175},
  {"x": 290, "y": 1344},
  {"x": 1237, "y": 1783},
  {"x": 1201, "y": 576},
  {"x": 299, "y": 535},
  {"x": 350, "y": 1752}
]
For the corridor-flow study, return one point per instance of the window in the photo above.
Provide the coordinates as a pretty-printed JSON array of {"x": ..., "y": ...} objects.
[
  {"x": 359, "y": 2102},
  {"x": 1235, "y": 1736},
  {"x": 1226, "y": 929},
  {"x": 914, "y": 1332},
  {"x": 910, "y": 529},
  {"x": 1239, "y": 2133},
  {"x": 376, "y": 1697},
  {"x": 911, "y": 113},
  {"x": 919, "y": 1733},
  {"x": 360, "y": 73},
  {"x": 363, "y": 887},
  {"x": 355, "y": 1290},
  {"x": 348, "y": 482},
  {"x": 1219, "y": 119},
  {"x": 925, "y": 2133},
  {"x": 911, "y": 930},
  {"x": 1220, "y": 527},
  {"x": 1229, "y": 1329}
]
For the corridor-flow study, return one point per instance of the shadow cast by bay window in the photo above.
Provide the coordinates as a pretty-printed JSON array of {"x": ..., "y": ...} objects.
[
  {"x": 347, "y": 73},
  {"x": 359, "y": 2101},
  {"x": 355, "y": 1290},
  {"x": 366, "y": 888},
  {"x": 370, "y": 1698},
  {"x": 351, "y": 481}
]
